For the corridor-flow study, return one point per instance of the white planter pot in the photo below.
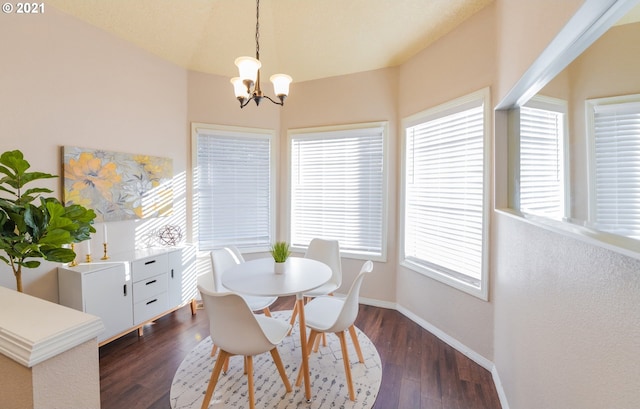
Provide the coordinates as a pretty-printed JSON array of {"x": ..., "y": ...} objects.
[{"x": 280, "y": 268}]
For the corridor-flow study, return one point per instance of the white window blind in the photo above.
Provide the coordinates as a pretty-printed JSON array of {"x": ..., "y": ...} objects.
[
  {"x": 233, "y": 184},
  {"x": 337, "y": 188},
  {"x": 444, "y": 194},
  {"x": 615, "y": 165},
  {"x": 542, "y": 187}
]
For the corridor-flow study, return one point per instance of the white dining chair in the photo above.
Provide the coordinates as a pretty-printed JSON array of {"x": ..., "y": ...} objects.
[
  {"x": 236, "y": 330},
  {"x": 327, "y": 314},
  {"x": 225, "y": 258},
  {"x": 328, "y": 252}
]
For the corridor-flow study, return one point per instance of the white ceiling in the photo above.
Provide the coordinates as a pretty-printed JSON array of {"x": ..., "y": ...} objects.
[{"x": 307, "y": 39}]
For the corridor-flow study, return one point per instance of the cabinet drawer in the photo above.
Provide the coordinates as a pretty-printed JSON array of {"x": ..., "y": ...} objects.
[
  {"x": 149, "y": 267},
  {"x": 149, "y": 308},
  {"x": 149, "y": 287}
]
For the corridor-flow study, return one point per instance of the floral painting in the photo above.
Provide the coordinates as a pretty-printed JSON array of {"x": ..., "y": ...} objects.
[{"x": 117, "y": 186}]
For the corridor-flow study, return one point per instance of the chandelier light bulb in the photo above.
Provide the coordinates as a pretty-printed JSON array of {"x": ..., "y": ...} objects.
[
  {"x": 281, "y": 84},
  {"x": 248, "y": 68},
  {"x": 239, "y": 88}
]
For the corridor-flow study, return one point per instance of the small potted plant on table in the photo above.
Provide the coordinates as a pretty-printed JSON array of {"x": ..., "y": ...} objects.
[{"x": 280, "y": 252}]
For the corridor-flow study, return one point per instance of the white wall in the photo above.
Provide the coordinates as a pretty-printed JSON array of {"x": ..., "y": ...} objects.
[{"x": 63, "y": 82}]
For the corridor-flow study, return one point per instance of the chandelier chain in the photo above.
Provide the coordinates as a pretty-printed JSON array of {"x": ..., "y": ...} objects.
[{"x": 257, "y": 30}]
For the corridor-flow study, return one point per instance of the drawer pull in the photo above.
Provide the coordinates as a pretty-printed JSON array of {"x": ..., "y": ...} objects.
[
  {"x": 152, "y": 301},
  {"x": 151, "y": 282},
  {"x": 124, "y": 289},
  {"x": 171, "y": 273},
  {"x": 146, "y": 263}
]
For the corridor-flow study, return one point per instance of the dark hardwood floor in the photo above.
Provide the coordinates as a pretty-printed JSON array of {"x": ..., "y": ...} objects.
[{"x": 419, "y": 370}]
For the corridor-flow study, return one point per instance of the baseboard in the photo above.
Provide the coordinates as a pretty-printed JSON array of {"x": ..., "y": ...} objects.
[
  {"x": 498, "y": 384},
  {"x": 459, "y": 346},
  {"x": 462, "y": 348}
]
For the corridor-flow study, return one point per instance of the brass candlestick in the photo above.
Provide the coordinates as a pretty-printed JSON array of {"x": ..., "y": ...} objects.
[
  {"x": 105, "y": 257},
  {"x": 73, "y": 262},
  {"x": 88, "y": 259}
]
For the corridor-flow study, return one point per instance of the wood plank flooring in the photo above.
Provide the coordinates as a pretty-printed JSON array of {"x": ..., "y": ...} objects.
[{"x": 419, "y": 370}]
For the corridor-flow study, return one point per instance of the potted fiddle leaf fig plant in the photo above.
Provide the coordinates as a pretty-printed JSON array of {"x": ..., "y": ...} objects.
[
  {"x": 33, "y": 226},
  {"x": 280, "y": 252}
]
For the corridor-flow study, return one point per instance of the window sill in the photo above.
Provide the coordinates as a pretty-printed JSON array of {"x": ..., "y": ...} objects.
[
  {"x": 619, "y": 244},
  {"x": 471, "y": 286}
]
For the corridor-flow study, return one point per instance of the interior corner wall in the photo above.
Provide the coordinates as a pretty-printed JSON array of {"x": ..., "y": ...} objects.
[
  {"x": 64, "y": 82},
  {"x": 349, "y": 99},
  {"x": 458, "y": 64}
]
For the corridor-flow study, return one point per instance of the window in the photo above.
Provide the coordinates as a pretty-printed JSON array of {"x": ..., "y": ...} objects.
[
  {"x": 542, "y": 162},
  {"x": 233, "y": 185},
  {"x": 444, "y": 201},
  {"x": 614, "y": 164},
  {"x": 338, "y": 188}
]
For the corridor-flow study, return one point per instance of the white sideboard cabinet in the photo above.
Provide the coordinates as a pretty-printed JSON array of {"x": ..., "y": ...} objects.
[{"x": 131, "y": 289}]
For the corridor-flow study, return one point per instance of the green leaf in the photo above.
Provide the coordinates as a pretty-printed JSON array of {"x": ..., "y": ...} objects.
[
  {"x": 56, "y": 237},
  {"x": 31, "y": 176},
  {"x": 36, "y": 190},
  {"x": 6, "y": 171},
  {"x": 14, "y": 160},
  {"x": 60, "y": 255},
  {"x": 30, "y": 264}
]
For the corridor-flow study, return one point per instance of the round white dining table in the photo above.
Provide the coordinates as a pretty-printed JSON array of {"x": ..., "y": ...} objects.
[{"x": 257, "y": 277}]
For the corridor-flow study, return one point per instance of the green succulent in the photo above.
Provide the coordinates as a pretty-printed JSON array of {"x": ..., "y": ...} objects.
[{"x": 280, "y": 251}]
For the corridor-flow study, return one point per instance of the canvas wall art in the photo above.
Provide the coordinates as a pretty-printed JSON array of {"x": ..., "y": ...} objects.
[{"x": 117, "y": 186}]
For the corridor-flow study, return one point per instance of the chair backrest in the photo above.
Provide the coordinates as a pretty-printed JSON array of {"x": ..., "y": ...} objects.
[
  {"x": 232, "y": 325},
  {"x": 327, "y": 251},
  {"x": 221, "y": 260},
  {"x": 349, "y": 311}
]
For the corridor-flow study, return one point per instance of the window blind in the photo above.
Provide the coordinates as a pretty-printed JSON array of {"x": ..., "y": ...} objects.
[
  {"x": 233, "y": 181},
  {"x": 616, "y": 162},
  {"x": 443, "y": 204},
  {"x": 541, "y": 162},
  {"x": 337, "y": 188}
]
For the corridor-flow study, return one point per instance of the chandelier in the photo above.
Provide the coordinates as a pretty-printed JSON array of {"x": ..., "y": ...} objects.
[{"x": 247, "y": 84}]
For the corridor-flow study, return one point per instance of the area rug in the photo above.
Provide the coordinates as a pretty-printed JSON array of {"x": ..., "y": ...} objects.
[{"x": 328, "y": 384}]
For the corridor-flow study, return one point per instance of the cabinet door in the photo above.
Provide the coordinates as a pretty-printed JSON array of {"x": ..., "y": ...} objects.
[
  {"x": 182, "y": 276},
  {"x": 108, "y": 294}
]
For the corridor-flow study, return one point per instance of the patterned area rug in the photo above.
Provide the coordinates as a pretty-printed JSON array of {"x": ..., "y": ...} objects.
[{"x": 328, "y": 384}]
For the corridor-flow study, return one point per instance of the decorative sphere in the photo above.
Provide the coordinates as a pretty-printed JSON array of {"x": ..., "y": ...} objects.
[{"x": 170, "y": 235}]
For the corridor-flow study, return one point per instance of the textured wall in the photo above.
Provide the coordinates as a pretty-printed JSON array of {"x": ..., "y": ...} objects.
[{"x": 567, "y": 325}]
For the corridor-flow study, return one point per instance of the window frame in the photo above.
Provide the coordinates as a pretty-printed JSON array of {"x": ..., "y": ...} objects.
[
  {"x": 300, "y": 132},
  {"x": 559, "y": 106},
  {"x": 453, "y": 106},
  {"x": 236, "y": 131},
  {"x": 591, "y": 105}
]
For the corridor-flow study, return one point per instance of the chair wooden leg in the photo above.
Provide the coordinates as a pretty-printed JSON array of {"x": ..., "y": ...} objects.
[
  {"x": 276, "y": 358},
  {"x": 312, "y": 336},
  {"x": 214, "y": 349},
  {"x": 249, "y": 360},
  {"x": 294, "y": 314},
  {"x": 226, "y": 365},
  {"x": 217, "y": 368},
  {"x": 316, "y": 344},
  {"x": 356, "y": 344},
  {"x": 347, "y": 366},
  {"x": 267, "y": 312}
]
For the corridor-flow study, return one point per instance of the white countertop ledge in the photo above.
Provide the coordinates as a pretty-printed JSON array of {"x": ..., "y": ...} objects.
[{"x": 33, "y": 330}]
